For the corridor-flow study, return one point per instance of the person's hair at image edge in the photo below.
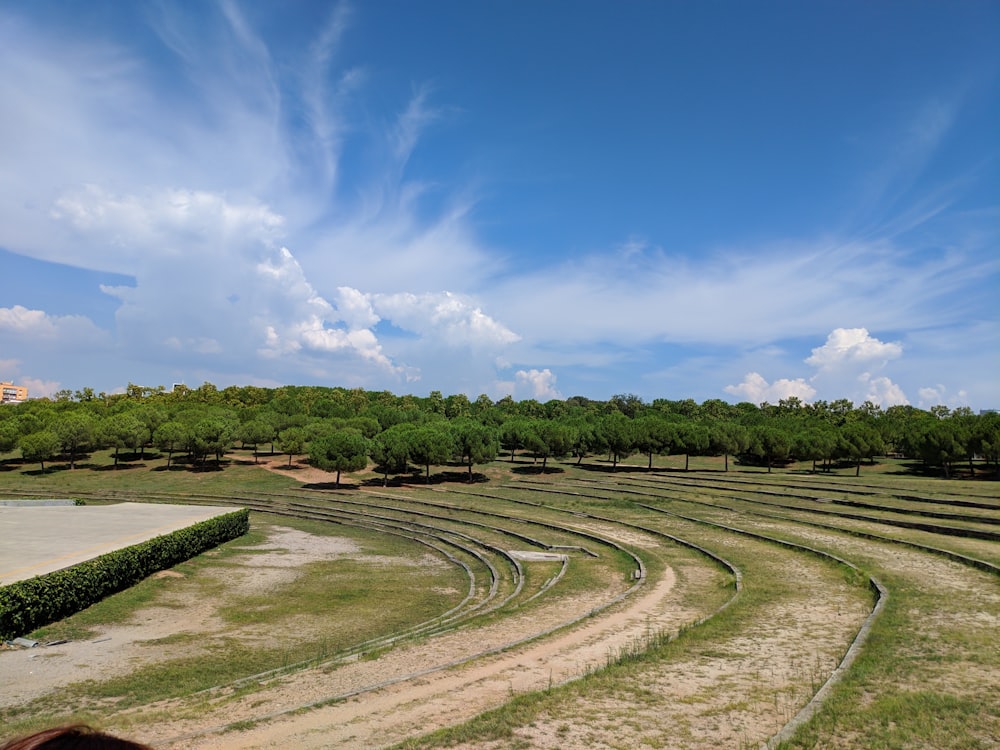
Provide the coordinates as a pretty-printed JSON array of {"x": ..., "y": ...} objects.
[{"x": 72, "y": 737}]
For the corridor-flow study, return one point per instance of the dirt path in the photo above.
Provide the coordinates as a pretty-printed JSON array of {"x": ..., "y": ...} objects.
[
  {"x": 754, "y": 681},
  {"x": 428, "y": 695}
]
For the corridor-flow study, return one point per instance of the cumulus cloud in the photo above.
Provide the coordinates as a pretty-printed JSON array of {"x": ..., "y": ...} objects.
[
  {"x": 844, "y": 367},
  {"x": 940, "y": 395},
  {"x": 306, "y": 322},
  {"x": 883, "y": 391},
  {"x": 537, "y": 384},
  {"x": 757, "y": 390},
  {"x": 851, "y": 347},
  {"x": 39, "y": 388},
  {"x": 41, "y": 328},
  {"x": 451, "y": 319}
]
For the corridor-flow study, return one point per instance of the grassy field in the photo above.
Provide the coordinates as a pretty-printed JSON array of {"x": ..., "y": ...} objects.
[{"x": 728, "y": 668}]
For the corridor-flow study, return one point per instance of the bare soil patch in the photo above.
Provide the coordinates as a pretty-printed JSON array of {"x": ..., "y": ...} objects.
[{"x": 119, "y": 649}]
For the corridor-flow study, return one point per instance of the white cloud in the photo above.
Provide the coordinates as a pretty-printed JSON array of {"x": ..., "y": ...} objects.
[
  {"x": 770, "y": 293},
  {"x": 39, "y": 388},
  {"x": 42, "y": 329},
  {"x": 450, "y": 319},
  {"x": 846, "y": 365},
  {"x": 757, "y": 390},
  {"x": 883, "y": 391},
  {"x": 851, "y": 347},
  {"x": 355, "y": 308},
  {"x": 844, "y": 368},
  {"x": 135, "y": 232},
  {"x": 939, "y": 395},
  {"x": 537, "y": 384}
]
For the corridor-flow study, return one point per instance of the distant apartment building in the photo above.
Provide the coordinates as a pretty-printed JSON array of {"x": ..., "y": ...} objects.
[{"x": 12, "y": 394}]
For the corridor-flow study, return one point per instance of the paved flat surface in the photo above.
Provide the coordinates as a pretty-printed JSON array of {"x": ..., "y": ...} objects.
[{"x": 36, "y": 540}]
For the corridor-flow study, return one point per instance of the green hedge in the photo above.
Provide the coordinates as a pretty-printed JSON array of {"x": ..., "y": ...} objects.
[{"x": 26, "y": 605}]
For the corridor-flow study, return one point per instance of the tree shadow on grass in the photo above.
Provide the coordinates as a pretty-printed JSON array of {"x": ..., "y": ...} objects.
[
  {"x": 537, "y": 470},
  {"x": 122, "y": 466},
  {"x": 12, "y": 464},
  {"x": 330, "y": 486},
  {"x": 606, "y": 468}
]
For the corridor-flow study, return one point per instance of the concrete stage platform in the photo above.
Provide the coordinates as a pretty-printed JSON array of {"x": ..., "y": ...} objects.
[{"x": 36, "y": 539}]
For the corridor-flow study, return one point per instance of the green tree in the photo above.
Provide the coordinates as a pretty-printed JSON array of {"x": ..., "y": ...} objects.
[
  {"x": 693, "y": 439},
  {"x": 76, "y": 433},
  {"x": 457, "y": 405},
  {"x": 170, "y": 437},
  {"x": 40, "y": 446},
  {"x": 814, "y": 443},
  {"x": 474, "y": 442},
  {"x": 627, "y": 403},
  {"x": 430, "y": 443},
  {"x": 390, "y": 450},
  {"x": 482, "y": 407},
  {"x": 122, "y": 430},
  {"x": 212, "y": 434},
  {"x": 549, "y": 438},
  {"x": 986, "y": 439},
  {"x": 9, "y": 435},
  {"x": 293, "y": 441},
  {"x": 726, "y": 438},
  {"x": 513, "y": 434},
  {"x": 340, "y": 451},
  {"x": 588, "y": 436},
  {"x": 255, "y": 432},
  {"x": 859, "y": 440},
  {"x": 152, "y": 417},
  {"x": 770, "y": 443},
  {"x": 619, "y": 435},
  {"x": 939, "y": 443},
  {"x": 654, "y": 434}
]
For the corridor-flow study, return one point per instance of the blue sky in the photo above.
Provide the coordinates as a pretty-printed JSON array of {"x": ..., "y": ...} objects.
[{"x": 746, "y": 201}]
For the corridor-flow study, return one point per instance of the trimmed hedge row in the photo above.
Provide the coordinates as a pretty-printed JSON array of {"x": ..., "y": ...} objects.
[{"x": 26, "y": 605}]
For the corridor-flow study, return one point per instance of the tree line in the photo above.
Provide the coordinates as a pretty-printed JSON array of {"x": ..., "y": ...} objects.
[{"x": 342, "y": 429}]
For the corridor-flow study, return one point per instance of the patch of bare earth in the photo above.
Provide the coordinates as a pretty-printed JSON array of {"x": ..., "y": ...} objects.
[
  {"x": 119, "y": 649},
  {"x": 424, "y": 693},
  {"x": 742, "y": 688},
  {"x": 734, "y": 692}
]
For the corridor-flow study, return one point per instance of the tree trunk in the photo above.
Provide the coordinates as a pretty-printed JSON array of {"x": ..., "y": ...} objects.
[
  {"x": 337, "y": 485},
  {"x": 857, "y": 468},
  {"x": 687, "y": 457},
  {"x": 727, "y": 461},
  {"x": 116, "y": 456},
  {"x": 427, "y": 478},
  {"x": 470, "y": 471}
]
